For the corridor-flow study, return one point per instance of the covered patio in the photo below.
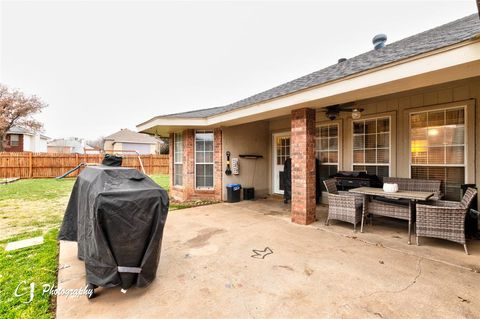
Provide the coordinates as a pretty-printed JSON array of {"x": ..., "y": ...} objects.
[
  {"x": 408, "y": 110},
  {"x": 314, "y": 271}
]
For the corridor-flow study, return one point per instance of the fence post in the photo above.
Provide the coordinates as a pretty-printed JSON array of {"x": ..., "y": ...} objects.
[
  {"x": 150, "y": 166},
  {"x": 30, "y": 165}
]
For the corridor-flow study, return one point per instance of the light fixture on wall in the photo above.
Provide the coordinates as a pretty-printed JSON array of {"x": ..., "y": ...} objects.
[
  {"x": 333, "y": 111},
  {"x": 356, "y": 114}
]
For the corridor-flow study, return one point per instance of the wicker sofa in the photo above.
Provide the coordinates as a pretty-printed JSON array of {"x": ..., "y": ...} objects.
[
  {"x": 444, "y": 219},
  {"x": 401, "y": 209}
]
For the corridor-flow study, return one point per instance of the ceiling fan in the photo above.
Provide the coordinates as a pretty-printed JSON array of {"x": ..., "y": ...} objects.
[{"x": 332, "y": 111}]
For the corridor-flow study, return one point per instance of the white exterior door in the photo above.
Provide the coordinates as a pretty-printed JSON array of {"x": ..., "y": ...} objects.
[{"x": 281, "y": 151}]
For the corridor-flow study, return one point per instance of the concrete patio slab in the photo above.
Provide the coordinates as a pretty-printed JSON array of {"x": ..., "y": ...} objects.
[{"x": 208, "y": 269}]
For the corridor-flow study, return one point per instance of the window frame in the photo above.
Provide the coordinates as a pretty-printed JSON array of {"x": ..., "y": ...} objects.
[
  {"x": 391, "y": 128},
  {"x": 17, "y": 142},
  {"x": 175, "y": 163},
  {"x": 204, "y": 188},
  {"x": 469, "y": 172},
  {"x": 465, "y": 138},
  {"x": 339, "y": 141}
]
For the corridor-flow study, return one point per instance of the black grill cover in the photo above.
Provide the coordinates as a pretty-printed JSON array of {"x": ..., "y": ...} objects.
[
  {"x": 112, "y": 160},
  {"x": 117, "y": 216}
]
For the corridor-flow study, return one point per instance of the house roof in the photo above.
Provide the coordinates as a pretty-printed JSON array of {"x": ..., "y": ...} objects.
[
  {"x": 66, "y": 142},
  {"x": 23, "y": 131},
  {"x": 445, "y": 35},
  {"x": 128, "y": 136}
]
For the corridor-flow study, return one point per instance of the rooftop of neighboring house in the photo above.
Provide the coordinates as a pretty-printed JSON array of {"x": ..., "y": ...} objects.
[
  {"x": 460, "y": 30},
  {"x": 66, "y": 142},
  {"x": 24, "y": 131},
  {"x": 129, "y": 136}
]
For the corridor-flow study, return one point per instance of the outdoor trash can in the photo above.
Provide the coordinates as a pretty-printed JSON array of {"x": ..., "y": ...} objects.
[
  {"x": 116, "y": 215},
  {"x": 233, "y": 193},
  {"x": 248, "y": 193}
]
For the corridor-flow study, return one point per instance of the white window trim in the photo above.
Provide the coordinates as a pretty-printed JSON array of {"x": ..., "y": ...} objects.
[
  {"x": 339, "y": 137},
  {"x": 465, "y": 141},
  {"x": 204, "y": 188},
  {"x": 390, "y": 131},
  {"x": 176, "y": 162},
  {"x": 17, "y": 141}
]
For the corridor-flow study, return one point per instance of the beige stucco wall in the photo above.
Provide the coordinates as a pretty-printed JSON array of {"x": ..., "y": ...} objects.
[
  {"x": 108, "y": 145},
  {"x": 252, "y": 138},
  {"x": 398, "y": 106}
]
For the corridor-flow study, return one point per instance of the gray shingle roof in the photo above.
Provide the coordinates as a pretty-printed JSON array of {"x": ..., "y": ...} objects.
[
  {"x": 128, "y": 136},
  {"x": 448, "y": 34}
]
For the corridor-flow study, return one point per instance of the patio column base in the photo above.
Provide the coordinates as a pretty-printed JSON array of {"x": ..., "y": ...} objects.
[{"x": 302, "y": 154}]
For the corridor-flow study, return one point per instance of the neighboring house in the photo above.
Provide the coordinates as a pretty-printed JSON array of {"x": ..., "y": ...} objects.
[
  {"x": 70, "y": 145},
  {"x": 127, "y": 140},
  {"x": 22, "y": 140},
  {"x": 91, "y": 150},
  {"x": 420, "y": 99}
]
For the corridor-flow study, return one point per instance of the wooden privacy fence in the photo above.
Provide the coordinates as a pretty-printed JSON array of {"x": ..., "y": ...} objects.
[{"x": 45, "y": 165}]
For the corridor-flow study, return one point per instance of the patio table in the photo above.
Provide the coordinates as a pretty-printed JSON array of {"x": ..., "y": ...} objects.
[{"x": 411, "y": 196}]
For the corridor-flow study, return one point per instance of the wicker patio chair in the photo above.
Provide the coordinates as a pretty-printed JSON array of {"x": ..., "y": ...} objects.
[
  {"x": 445, "y": 219},
  {"x": 342, "y": 205}
]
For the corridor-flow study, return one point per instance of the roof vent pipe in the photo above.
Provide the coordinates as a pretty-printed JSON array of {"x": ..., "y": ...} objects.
[
  {"x": 341, "y": 60},
  {"x": 379, "y": 41}
]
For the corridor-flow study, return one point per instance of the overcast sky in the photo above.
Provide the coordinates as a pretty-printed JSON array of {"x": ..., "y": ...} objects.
[{"x": 102, "y": 66}]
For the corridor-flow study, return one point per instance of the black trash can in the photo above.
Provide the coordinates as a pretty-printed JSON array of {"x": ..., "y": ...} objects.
[
  {"x": 233, "y": 193},
  {"x": 471, "y": 220},
  {"x": 248, "y": 193}
]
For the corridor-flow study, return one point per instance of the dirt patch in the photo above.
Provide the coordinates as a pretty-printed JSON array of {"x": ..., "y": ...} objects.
[
  {"x": 21, "y": 216},
  {"x": 203, "y": 236},
  {"x": 308, "y": 271}
]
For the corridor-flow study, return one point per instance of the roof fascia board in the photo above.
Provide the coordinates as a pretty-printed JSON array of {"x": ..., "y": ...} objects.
[{"x": 455, "y": 55}]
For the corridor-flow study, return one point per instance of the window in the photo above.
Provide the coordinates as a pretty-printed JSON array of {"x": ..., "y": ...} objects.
[
  {"x": 178, "y": 159},
  {"x": 326, "y": 150},
  {"x": 204, "y": 159},
  {"x": 437, "y": 148},
  {"x": 283, "y": 149},
  {"x": 14, "y": 140},
  {"x": 371, "y": 146}
]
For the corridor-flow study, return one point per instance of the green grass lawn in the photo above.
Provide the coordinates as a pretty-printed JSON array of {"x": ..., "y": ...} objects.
[{"x": 30, "y": 208}]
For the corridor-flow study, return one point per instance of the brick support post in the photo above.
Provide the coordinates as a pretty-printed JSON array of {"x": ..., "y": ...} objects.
[
  {"x": 171, "y": 150},
  {"x": 302, "y": 153},
  {"x": 188, "y": 163},
  {"x": 217, "y": 157}
]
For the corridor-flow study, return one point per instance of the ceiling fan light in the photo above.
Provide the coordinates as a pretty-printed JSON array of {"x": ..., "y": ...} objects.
[{"x": 356, "y": 114}]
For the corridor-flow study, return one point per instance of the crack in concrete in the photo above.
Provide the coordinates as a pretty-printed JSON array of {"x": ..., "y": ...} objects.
[
  {"x": 419, "y": 273},
  {"x": 410, "y": 284},
  {"x": 353, "y": 237}
]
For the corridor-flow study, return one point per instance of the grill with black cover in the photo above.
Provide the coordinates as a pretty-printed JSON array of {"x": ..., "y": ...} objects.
[{"x": 117, "y": 216}]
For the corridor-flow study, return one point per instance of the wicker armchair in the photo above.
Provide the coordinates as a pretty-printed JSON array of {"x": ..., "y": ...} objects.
[
  {"x": 445, "y": 219},
  {"x": 343, "y": 206}
]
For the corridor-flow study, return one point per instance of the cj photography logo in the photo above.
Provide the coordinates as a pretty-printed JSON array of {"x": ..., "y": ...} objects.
[{"x": 27, "y": 291}]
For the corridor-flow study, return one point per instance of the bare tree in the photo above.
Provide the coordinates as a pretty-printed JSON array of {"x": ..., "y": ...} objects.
[
  {"x": 165, "y": 147},
  {"x": 17, "y": 109},
  {"x": 97, "y": 143}
]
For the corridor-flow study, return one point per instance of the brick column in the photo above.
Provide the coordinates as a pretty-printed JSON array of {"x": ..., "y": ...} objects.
[
  {"x": 302, "y": 153},
  {"x": 171, "y": 150},
  {"x": 217, "y": 157},
  {"x": 188, "y": 163}
]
